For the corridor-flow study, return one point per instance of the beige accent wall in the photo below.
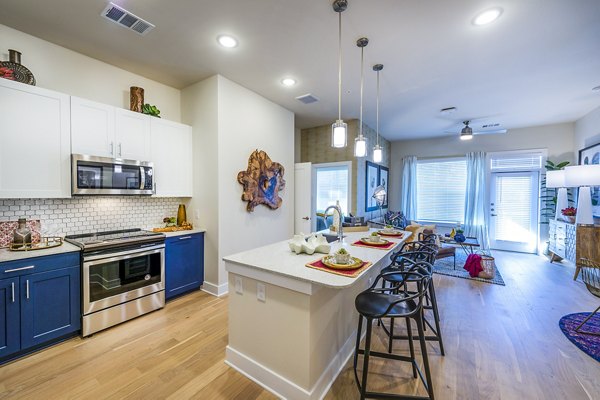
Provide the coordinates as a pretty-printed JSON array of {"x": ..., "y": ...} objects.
[
  {"x": 587, "y": 131},
  {"x": 316, "y": 148},
  {"x": 66, "y": 71},
  {"x": 556, "y": 138}
]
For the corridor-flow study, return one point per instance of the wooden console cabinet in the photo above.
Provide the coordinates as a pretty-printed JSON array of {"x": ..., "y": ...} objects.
[{"x": 588, "y": 245}]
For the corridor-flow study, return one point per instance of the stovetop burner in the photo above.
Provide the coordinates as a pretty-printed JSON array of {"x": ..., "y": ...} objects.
[{"x": 113, "y": 238}]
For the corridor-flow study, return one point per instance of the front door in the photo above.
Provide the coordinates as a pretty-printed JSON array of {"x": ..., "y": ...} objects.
[{"x": 514, "y": 211}]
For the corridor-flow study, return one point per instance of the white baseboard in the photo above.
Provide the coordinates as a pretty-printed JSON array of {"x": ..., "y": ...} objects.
[
  {"x": 215, "y": 290},
  {"x": 283, "y": 387}
]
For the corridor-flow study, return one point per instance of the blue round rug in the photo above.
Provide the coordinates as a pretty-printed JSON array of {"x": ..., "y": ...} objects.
[{"x": 589, "y": 344}]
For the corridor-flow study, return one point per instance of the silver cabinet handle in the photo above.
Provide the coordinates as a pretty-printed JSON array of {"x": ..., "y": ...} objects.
[
  {"x": 111, "y": 148},
  {"x": 120, "y": 148},
  {"x": 19, "y": 269},
  {"x": 27, "y": 288},
  {"x": 185, "y": 237},
  {"x": 13, "y": 291}
]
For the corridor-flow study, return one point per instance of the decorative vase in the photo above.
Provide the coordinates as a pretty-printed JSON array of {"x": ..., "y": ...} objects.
[
  {"x": 570, "y": 218},
  {"x": 181, "y": 215},
  {"x": 22, "y": 235},
  {"x": 459, "y": 237},
  {"x": 20, "y": 72},
  {"x": 136, "y": 98}
]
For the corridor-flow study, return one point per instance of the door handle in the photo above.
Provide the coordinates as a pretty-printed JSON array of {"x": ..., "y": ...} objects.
[
  {"x": 27, "y": 288},
  {"x": 306, "y": 218},
  {"x": 13, "y": 291},
  {"x": 494, "y": 215}
]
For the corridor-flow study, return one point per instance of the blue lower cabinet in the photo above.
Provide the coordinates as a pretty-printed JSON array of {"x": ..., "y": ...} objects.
[
  {"x": 10, "y": 326},
  {"x": 50, "y": 306},
  {"x": 184, "y": 264},
  {"x": 40, "y": 302}
]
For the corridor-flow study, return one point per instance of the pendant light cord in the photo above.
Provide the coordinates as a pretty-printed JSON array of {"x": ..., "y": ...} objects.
[
  {"x": 340, "y": 68},
  {"x": 362, "y": 67},
  {"x": 377, "y": 112}
]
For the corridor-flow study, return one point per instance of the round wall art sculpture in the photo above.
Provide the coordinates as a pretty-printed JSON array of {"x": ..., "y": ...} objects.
[{"x": 262, "y": 181}]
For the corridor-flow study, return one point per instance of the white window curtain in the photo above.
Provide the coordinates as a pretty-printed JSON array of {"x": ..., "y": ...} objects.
[
  {"x": 476, "y": 218},
  {"x": 408, "y": 197}
]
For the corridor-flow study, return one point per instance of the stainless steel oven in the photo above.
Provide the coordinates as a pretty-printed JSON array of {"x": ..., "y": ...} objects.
[
  {"x": 123, "y": 276},
  {"x": 107, "y": 176}
]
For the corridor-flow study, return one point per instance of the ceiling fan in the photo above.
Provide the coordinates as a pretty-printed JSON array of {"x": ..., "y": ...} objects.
[{"x": 486, "y": 129}]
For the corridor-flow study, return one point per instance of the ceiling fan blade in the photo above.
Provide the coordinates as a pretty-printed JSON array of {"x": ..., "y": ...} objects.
[{"x": 497, "y": 131}]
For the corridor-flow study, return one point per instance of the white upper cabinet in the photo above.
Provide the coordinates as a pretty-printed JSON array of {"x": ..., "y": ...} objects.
[
  {"x": 105, "y": 131},
  {"x": 92, "y": 128},
  {"x": 35, "y": 142},
  {"x": 132, "y": 135},
  {"x": 172, "y": 157}
]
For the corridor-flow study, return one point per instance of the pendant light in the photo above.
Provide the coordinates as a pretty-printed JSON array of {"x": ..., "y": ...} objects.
[
  {"x": 377, "y": 150},
  {"x": 339, "y": 129},
  {"x": 360, "y": 143}
]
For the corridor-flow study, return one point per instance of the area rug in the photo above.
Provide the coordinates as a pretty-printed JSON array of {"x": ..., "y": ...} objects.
[
  {"x": 445, "y": 266},
  {"x": 589, "y": 344}
]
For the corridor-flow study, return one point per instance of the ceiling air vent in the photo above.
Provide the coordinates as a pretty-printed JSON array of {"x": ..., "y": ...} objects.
[
  {"x": 307, "y": 99},
  {"x": 124, "y": 18}
]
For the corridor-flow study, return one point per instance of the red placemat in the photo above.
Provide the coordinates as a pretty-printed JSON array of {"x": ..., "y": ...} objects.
[
  {"x": 397, "y": 235},
  {"x": 374, "y": 246},
  {"x": 350, "y": 273}
]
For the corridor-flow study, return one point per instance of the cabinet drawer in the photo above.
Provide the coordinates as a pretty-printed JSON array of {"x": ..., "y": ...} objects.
[{"x": 38, "y": 264}]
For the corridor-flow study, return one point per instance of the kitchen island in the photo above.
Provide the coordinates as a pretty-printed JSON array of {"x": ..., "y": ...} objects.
[{"x": 293, "y": 328}]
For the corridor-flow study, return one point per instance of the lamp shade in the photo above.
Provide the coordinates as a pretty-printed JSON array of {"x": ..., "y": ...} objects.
[
  {"x": 555, "y": 179},
  {"x": 582, "y": 175}
]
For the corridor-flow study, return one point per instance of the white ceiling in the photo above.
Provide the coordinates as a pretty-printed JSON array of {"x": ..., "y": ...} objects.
[{"x": 535, "y": 65}]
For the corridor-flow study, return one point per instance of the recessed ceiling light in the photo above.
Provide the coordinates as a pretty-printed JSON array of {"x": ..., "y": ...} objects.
[
  {"x": 227, "y": 41},
  {"x": 596, "y": 89},
  {"x": 288, "y": 82},
  {"x": 487, "y": 16}
]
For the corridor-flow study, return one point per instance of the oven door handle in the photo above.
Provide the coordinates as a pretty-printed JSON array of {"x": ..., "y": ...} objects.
[
  {"x": 124, "y": 255},
  {"x": 142, "y": 178}
]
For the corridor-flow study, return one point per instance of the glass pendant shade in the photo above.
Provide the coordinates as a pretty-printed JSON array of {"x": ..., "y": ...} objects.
[
  {"x": 360, "y": 146},
  {"x": 377, "y": 154},
  {"x": 338, "y": 134}
]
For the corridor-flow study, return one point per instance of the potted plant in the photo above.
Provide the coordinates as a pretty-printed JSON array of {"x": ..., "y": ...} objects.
[{"x": 569, "y": 213}]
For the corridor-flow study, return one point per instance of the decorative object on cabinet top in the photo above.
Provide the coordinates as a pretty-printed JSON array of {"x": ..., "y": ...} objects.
[
  {"x": 186, "y": 226},
  {"x": 262, "y": 181},
  {"x": 136, "y": 98},
  {"x": 151, "y": 110},
  {"x": 8, "y": 228},
  {"x": 20, "y": 73}
]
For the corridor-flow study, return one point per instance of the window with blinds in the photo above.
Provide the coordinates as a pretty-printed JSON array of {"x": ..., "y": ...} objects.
[
  {"x": 331, "y": 185},
  {"x": 516, "y": 162},
  {"x": 441, "y": 187}
]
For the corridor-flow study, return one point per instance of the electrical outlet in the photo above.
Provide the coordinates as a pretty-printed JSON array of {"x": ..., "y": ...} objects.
[
  {"x": 197, "y": 215},
  {"x": 237, "y": 281},
  {"x": 261, "y": 292}
]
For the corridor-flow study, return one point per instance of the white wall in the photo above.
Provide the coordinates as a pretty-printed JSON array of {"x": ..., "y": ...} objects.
[
  {"x": 199, "y": 109},
  {"x": 63, "y": 70},
  {"x": 248, "y": 122},
  {"x": 557, "y": 139},
  {"x": 230, "y": 122},
  {"x": 587, "y": 131}
]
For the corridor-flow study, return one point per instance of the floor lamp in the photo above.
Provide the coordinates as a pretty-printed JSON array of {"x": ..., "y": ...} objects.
[{"x": 584, "y": 177}]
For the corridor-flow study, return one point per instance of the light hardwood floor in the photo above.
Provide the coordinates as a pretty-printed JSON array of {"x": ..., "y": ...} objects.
[{"x": 502, "y": 342}]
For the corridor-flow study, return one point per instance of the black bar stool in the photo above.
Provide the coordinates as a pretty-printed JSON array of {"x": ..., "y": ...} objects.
[
  {"x": 406, "y": 262},
  {"x": 395, "y": 302}
]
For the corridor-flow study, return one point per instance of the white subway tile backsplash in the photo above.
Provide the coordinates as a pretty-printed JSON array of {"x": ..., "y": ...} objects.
[{"x": 89, "y": 214}]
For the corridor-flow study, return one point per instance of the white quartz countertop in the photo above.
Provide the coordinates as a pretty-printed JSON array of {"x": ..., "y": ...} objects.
[
  {"x": 279, "y": 259},
  {"x": 7, "y": 255},
  {"x": 183, "y": 233}
]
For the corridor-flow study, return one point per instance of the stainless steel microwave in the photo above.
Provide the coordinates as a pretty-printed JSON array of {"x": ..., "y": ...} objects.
[{"x": 108, "y": 176}]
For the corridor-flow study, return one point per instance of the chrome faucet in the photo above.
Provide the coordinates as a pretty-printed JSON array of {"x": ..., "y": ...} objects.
[{"x": 340, "y": 229}]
